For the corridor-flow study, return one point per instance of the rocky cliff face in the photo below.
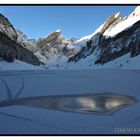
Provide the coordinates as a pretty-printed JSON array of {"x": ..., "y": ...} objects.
[
  {"x": 115, "y": 38},
  {"x": 7, "y": 28},
  {"x": 10, "y": 49}
]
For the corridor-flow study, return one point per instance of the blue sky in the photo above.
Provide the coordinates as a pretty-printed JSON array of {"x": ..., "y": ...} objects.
[{"x": 74, "y": 21}]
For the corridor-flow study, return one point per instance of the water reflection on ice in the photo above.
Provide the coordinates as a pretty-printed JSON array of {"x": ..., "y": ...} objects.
[{"x": 100, "y": 103}]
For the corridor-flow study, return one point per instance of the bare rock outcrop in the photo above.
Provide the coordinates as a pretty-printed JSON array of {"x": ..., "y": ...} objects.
[{"x": 53, "y": 36}]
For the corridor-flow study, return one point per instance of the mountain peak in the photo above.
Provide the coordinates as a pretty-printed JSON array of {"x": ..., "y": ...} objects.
[
  {"x": 136, "y": 12},
  {"x": 117, "y": 15},
  {"x": 58, "y": 31}
]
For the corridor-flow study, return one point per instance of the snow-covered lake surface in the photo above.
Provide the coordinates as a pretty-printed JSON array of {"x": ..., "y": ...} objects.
[{"x": 69, "y": 102}]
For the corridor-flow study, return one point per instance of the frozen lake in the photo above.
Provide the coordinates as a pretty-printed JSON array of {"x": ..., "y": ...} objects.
[{"x": 70, "y": 102}]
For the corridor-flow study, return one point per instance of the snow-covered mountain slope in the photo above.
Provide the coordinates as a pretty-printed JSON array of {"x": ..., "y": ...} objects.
[
  {"x": 123, "y": 62},
  {"x": 117, "y": 37},
  {"x": 124, "y": 24},
  {"x": 110, "y": 22},
  {"x": 114, "y": 25}
]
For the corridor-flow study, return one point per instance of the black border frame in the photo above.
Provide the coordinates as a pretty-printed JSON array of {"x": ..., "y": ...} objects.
[{"x": 69, "y": 4}]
